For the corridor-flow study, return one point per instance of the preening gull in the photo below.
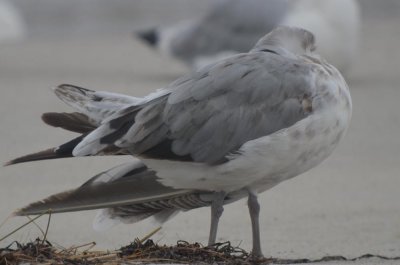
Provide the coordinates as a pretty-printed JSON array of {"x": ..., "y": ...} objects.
[
  {"x": 231, "y": 130},
  {"x": 233, "y": 26}
]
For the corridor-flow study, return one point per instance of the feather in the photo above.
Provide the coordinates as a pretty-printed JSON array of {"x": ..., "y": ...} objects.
[
  {"x": 96, "y": 105},
  {"x": 75, "y": 122},
  {"x": 62, "y": 151},
  {"x": 131, "y": 186}
]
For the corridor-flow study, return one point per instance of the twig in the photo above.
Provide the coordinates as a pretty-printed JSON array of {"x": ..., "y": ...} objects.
[
  {"x": 75, "y": 248},
  {"x": 37, "y": 226},
  {"x": 109, "y": 256},
  {"x": 22, "y": 226},
  {"x": 159, "y": 260},
  {"x": 150, "y": 234},
  {"x": 5, "y": 220},
  {"x": 47, "y": 227}
]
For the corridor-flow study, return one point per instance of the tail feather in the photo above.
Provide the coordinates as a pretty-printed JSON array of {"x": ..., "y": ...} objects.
[
  {"x": 94, "y": 109},
  {"x": 129, "y": 190},
  {"x": 63, "y": 151},
  {"x": 75, "y": 122},
  {"x": 96, "y": 105},
  {"x": 42, "y": 155}
]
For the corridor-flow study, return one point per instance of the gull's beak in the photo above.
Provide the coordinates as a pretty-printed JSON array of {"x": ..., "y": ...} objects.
[{"x": 150, "y": 36}]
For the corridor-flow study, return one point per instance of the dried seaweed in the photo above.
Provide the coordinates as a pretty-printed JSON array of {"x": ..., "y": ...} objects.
[
  {"x": 43, "y": 252},
  {"x": 186, "y": 252}
]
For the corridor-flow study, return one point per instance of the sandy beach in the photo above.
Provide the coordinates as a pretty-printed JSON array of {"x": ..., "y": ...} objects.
[{"x": 347, "y": 206}]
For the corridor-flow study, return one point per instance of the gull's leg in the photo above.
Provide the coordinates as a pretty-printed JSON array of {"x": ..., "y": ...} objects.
[
  {"x": 216, "y": 212},
  {"x": 254, "y": 209}
]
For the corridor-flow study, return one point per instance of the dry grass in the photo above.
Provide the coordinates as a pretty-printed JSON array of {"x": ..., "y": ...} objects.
[
  {"x": 44, "y": 252},
  {"x": 141, "y": 250}
]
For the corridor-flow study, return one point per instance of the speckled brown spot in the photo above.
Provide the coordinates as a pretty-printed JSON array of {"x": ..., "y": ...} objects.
[
  {"x": 344, "y": 98},
  {"x": 320, "y": 152},
  {"x": 304, "y": 157},
  {"x": 254, "y": 58},
  {"x": 337, "y": 139},
  {"x": 312, "y": 59},
  {"x": 324, "y": 89},
  {"x": 306, "y": 103},
  {"x": 347, "y": 104},
  {"x": 294, "y": 146},
  {"x": 296, "y": 134},
  {"x": 310, "y": 133},
  {"x": 327, "y": 131},
  {"x": 340, "y": 90},
  {"x": 330, "y": 98},
  {"x": 327, "y": 68}
]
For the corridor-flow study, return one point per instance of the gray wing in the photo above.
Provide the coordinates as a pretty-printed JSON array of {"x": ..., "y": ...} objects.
[
  {"x": 211, "y": 113},
  {"x": 232, "y": 104}
]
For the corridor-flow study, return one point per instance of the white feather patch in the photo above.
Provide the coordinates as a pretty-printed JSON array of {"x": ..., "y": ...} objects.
[{"x": 103, "y": 222}]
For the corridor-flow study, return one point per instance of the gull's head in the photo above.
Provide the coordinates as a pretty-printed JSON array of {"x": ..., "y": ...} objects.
[{"x": 285, "y": 39}]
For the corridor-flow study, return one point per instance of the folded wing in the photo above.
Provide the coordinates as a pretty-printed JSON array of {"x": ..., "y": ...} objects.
[
  {"x": 210, "y": 113},
  {"x": 202, "y": 117}
]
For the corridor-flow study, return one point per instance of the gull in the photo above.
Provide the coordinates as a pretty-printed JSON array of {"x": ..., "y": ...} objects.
[
  {"x": 234, "y": 26},
  {"x": 12, "y": 26},
  {"x": 231, "y": 130}
]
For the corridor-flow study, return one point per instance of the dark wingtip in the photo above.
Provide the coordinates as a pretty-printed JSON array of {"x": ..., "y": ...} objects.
[
  {"x": 18, "y": 160},
  {"x": 45, "y": 154},
  {"x": 69, "y": 86},
  {"x": 17, "y": 212},
  {"x": 63, "y": 151},
  {"x": 11, "y": 162},
  {"x": 49, "y": 118},
  {"x": 149, "y": 36}
]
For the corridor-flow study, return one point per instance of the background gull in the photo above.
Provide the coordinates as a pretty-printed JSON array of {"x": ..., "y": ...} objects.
[
  {"x": 239, "y": 126},
  {"x": 233, "y": 26},
  {"x": 12, "y": 26}
]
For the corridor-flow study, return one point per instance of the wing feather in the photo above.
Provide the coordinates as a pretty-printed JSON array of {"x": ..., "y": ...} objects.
[
  {"x": 211, "y": 113},
  {"x": 128, "y": 184}
]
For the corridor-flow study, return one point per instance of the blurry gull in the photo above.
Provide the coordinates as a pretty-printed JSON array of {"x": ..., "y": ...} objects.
[
  {"x": 12, "y": 26},
  {"x": 231, "y": 130},
  {"x": 233, "y": 26}
]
